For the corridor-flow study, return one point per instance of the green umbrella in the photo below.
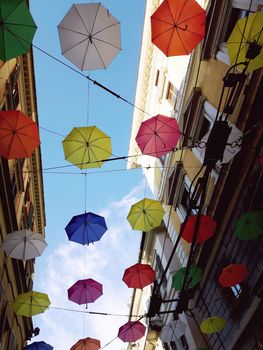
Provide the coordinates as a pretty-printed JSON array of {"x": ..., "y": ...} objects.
[
  {"x": 249, "y": 225},
  {"x": 17, "y": 28},
  {"x": 213, "y": 324},
  {"x": 193, "y": 278}
]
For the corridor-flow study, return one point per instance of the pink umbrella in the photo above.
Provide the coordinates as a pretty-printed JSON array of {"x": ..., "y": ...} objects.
[
  {"x": 158, "y": 135},
  {"x": 131, "y": 331},
  {"x": 85, "y": 291}
]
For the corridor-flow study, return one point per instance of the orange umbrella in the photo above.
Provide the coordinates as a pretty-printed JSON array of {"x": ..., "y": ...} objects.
[
  {"x": 233, "y": 274},
  {"x": 19, "y": 135},
  {"x": 206, "y": 229},
  {"x": 86, "y": 344},
  {"x": 178, "y": 26}
]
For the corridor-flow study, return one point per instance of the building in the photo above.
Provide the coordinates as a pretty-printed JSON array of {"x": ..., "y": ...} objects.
[{"x": 189, "y": 89}]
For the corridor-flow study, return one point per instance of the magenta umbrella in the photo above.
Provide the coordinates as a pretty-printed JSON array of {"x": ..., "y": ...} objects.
[
  {"x": 131, "y": 331},
  {"x": 85, "y": 291}
]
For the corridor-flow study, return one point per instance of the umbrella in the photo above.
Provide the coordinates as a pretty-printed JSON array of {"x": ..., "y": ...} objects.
[
  {"x": 213, "y": 324},
  {"x": 246, "y": 41},
  {"x": 39, "y": 345},
  {"x": 31, "y": 303},
  {"x": 131, "y": 331},
  {"x": 19, "y": 135},
  {"x": 87, "y": 147},
  {"x": 138, "y": 276},
  {"x": 158, "y": 135},
  {"x": 205, "y": 231},
  {"x": 145, "y": 215},
  {"x": 178, "y": 26},
  {"x": 89, "y": 36},
  {"x": 86, "y": 344},
  {"x": 85, "y": 291},
  {"x": 17, "y": 29},
  {"x": 86, "y": 228},
  {"x": 249, "y": 226},
  {"x": 172, "y": 330},
  {"x": 24, "y": 244},
  {"x": 194, "y": 277},
  {"x": 233, "y": 274}
]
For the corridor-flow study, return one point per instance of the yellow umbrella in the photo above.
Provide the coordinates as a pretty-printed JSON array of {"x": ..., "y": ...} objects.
[
  {"x": 246, "y": 41},
  {"x": 31, "y": 303},
  {"x": 87, "y": 147},
  {"x": 145, "y": 215},
  {"x": 213, "y": 324}
]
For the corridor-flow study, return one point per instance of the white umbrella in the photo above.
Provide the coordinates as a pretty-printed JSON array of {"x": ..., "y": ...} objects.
[
  {"x": 172, "y": 330},
  {"x": 89, "y": 36},
  {"x": 24, "y": 244}
]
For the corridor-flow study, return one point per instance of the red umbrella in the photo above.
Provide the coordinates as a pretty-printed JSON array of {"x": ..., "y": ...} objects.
[
  {"x": 138, "y": 276},
  {"x": 158, "y": 135},
  {"x": 233, "y": 274},
  {"x": 85, "y": 291},
  {"x": 178, "y": 26},
  {"x": 19, "y": 135},
  {"x": 206, "y": 228},
  {"x": 131, "y": 331},
  {"x": 86, "y": 344}
]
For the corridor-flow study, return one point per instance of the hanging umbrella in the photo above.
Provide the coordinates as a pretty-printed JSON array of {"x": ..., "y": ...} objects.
[
  {"x": 138, "y": 276},
  {"x": 206, "y": 228},
  {"x": 89, "y": 36},
  {"x": 86, "y": 228},
  {"x": 172, "y": 330},
  {"x": 246, "y": 41},
  {"x": 17, "y": 29},
  {"x": 131, "y": 331},
  {"x": 158, "y": 135},
  {"x": 19, "y": 135},
  {"x": 39, "y": 345},
  {"x": 85, "y": 291},
  {"x": 178, "y": 26},
  {"x": 233, "y": 274},
  {"x": 24, "y": 244},
  {"x": 249, "y": 226},
  {"x": 87, "y": 147},
  {"x": 194, "y": 276},
  {"x": 31, "y": 303},
  {"x": 213, "y": 324},
  {"x": 86, "y": 344},
  {"x": 145, "y": 215}
]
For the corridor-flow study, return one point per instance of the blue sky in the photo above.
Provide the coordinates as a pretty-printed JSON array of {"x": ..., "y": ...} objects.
[{"x": 63, "y": 99}]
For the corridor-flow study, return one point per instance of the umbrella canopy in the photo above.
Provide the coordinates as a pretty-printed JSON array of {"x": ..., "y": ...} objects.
[
  {"x": 85, "y": 291},
  {"x": 86, "y": 344},
  {"x": 246, "y": 41},
  {"x": 145, "y": 215},
  {"x": 178, "y": 26},
  {"x": 87, "y": 147},
  {"x": 17, "y": 29},
  {"x": 86, "y": 228},
  {"x": 213, "y": 324},
  {"x": 194, "y": 276},
  {"x": 131, "y": 331},
  {"x": 172, "y": 330},
  {"x": 24, "y": 244},
  {"x": 206, "y": 230},
  {"x": 158, "y": 135},
  {"x": 233, "y": 274},
  {"x": 19, "y": 135},
  {"x": 249, "y": 226},
  {"x": 31, "y": 303},
  {"x": 138, "y": 276},
  {"x": 89, "y": 36},
  {"x": 39, "y": 345}
]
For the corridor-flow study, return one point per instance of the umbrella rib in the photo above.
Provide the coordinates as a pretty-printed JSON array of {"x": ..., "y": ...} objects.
[
  {"x": 82, "y": 19},
  {"x": 19, "y": 24},
  {"x": 18, "y": 38},
  {"x": 10, "y": 13},
  {"x": 105, "y": 42},
  {"x": 187, "y": 19}
]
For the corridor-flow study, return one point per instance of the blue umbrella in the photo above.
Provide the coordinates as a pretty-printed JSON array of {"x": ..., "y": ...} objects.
[
  {"x": 39, "y": 345},
  {"x": 86, "y": 228}
]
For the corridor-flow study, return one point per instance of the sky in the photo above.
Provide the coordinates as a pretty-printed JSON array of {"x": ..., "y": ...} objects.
[{"x": 64, "y": 100}]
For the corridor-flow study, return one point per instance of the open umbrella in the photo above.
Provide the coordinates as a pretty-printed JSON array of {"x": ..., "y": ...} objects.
[
  {"x": 86, "y": 344},
  {"x": 85, "y": 291},
  {"x": 158, "y": 135},
  {"x": 172, "y": 330},
  {"x": 24, "y": 244},
  {"x": 194, "y": 276},
  {"x": 31, "y": 303},
  {"x": 86, "y": 228},
  {"x": 178, "y": 26},
  {"x": 89, "y": 36},
  {"x": 205, "y": 231},
  {"x": 138, "y": 276},
  {"x": 19, "y": 135},
  {"x": 39, "y": 345},
  {"x": 17, "y": 29},
  {"x": 233, "y": 274},
  {"x": 131, "y": 331},
  {"x": 213, "y": 324},
  {"x": 249, "y": 226},
  {"x": 246, "y": 41},
  {"x": 87, "y": 147},
  {"x": 145, "y": 215}
]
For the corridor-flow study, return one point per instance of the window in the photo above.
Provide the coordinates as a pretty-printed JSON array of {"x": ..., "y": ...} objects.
[
  {"x": 173, "y": 345},
  {"x": 183, "y": 342},
  {"x": 171, "y": 93},
  {"x": 160, "y": 270},
  {"x": 166, "y": 346},
  {"x": 174, "y": 183},
  {"x": 12, "y": 93},
  {"x": 157, "y": 77},
  {"x": 184, "y": 199}
]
